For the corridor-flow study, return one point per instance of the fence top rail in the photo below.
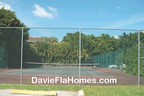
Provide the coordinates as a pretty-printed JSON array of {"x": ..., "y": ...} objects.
[{"x": 86, "y": 28}]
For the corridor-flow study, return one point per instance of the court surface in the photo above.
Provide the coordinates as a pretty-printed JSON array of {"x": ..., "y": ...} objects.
[
  {"x": 12, "y": 76},
  {"x": 57, "y": 71}
]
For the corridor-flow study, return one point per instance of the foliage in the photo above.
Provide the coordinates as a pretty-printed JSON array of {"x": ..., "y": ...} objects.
[
  {"x": 131, "y": 60},
  {"x": 10, "y": 38}
]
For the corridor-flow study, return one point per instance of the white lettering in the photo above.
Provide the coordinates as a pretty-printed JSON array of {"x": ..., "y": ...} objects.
[
  {"x": 72, "y": 80},
  {"x": 34, "y": 80}
]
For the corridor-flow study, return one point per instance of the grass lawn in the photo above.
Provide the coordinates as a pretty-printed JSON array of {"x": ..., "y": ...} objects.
[{"x": 88, "y": 90}]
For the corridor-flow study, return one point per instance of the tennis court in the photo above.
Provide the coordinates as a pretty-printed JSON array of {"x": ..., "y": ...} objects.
[
  {"x": 13, "y": 75},
  {"x": 71, "y": 52},
  {"x": 63, "y": 70}
]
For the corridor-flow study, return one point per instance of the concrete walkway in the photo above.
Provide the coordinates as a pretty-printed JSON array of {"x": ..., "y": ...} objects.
[{"x": 8, "y": 92}]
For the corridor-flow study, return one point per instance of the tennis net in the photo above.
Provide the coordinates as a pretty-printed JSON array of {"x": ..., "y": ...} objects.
[{"x": 32, "y": 65}]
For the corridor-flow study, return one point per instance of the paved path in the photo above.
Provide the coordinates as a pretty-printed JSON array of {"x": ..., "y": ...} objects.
[{"x": 7, "y": 92}]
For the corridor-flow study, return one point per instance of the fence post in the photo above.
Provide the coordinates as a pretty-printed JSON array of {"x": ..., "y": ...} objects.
[
  {"x": 21, "y": 73},
  {"x": 79, "y": 54},
  {"x": 138, "y": 57}
]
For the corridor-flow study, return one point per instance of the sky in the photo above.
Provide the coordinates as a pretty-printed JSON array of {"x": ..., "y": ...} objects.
[{"x": 127, "y": 14}]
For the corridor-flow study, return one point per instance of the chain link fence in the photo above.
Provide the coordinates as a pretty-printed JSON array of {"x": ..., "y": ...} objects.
[{"x": 28, "y": 54}]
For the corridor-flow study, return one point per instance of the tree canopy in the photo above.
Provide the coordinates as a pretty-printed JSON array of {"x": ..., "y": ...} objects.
[{"x": 10, "y": 38}]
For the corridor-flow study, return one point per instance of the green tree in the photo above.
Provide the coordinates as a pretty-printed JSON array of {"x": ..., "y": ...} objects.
[
  {"x": 73, "y": 40},
  {"x": 131, "y": 60},
  {"x": 10, "y": 38}
]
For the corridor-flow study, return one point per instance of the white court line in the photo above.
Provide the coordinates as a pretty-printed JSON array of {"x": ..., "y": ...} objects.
[
  {"x": 59, "y": 70},
  {"x": 91, "y": 72},
  {"x": 99, "y": 72}
]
